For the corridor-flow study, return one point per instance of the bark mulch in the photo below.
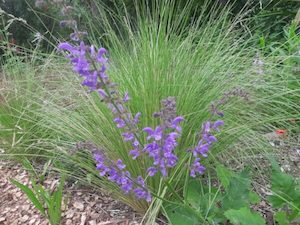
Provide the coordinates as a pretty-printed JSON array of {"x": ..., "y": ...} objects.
[{"x": 82, "y": 206}]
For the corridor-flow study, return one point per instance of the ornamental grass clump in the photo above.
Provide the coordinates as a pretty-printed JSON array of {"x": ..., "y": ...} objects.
[{"x": 160, "y": 143}]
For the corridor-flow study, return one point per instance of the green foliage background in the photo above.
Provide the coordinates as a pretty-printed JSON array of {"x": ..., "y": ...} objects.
[{"x": 45, "y": 20}]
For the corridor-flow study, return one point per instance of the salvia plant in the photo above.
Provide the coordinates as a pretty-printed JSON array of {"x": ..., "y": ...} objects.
[{"x": 160, "y": 142}]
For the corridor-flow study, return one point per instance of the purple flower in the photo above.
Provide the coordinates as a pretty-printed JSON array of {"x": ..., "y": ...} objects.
[
  {"x": 102, "y": 93},
  {"x": 120, "y": 122},
  {"x": 134, "y": 153},
  {"x": 196, "y": 168},
  {"x": 120, "y": 164},
  {"x": 126, "y": 97},
  {"x": 155, "y": 134},
  {"x": 152, "y": 171},
  {"x": 91, "y": 81},
  {"x": 101, "y": 53},
  {"x": 217, "y": 124},
  {"x": 136, "y": 118},
  {"x": 141, "y": 191},
  {"x": 175, "y": 123},
  {"x": 68, "y": 47},
  {"x": 127, "y": 136}
]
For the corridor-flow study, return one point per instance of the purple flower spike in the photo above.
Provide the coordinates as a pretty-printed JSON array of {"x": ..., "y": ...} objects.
[
  {"x": 164, "y": 139},
  {"x": 91, "y": 65},
  {"x": 203, "y": 146}
]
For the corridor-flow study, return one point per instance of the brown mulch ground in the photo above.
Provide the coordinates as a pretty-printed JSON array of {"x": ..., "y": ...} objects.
[{"x": 81, "y": 206}]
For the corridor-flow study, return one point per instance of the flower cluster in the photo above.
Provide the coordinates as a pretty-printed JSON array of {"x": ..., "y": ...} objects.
[
  {"x": 115, "y": 172},
  {"x": 203, "y": 146},
  {"x": 164, "y": 139}
]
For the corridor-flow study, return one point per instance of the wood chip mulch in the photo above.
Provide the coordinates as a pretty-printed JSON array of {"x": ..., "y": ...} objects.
[{"x": 80, "y": 207}]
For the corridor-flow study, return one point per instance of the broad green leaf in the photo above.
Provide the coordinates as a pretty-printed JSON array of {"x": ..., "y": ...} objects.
[
  {"x": 254, "y": 198},
  {"x": 224, "y": 175},
  {"x": 201, "y": 197},
  {"x": 281, "y": 218},
  {"x": 194, "y": 194},
  {"x": 237, "y": 195},
  {"x": 179, "y": 215},
  {"x": 284, "y": 187},
  {"x": 244, "y": 216},
  {"x": 30, "y": 194}
]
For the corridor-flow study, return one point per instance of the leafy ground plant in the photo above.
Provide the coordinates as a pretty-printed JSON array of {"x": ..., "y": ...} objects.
[
  {"x": 209, "y": 204},
  {"x": 47, "y": 202},
  {"x": 285, "y": 196}
]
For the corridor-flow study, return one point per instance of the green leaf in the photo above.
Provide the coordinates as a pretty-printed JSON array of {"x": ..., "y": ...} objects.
[
  {"x": 224, "y": 175},
  {"x": 237, "y": 195},
  {"x": 178, "y": 215},
  {"x": 55, "y": 200},
  {"x": 254, "y": 198},
  {"x": 30, "y": 194},
  {"x": 244, "y": 216},
  {"x": 201, "y": 197},
  {"x": 281, "y": 218},
  {"x": 58, "y": 198},
  {"x": 284, "y": 187},
  {"x": 194, "y": 194}
]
